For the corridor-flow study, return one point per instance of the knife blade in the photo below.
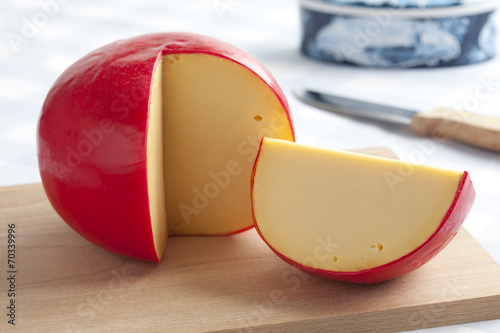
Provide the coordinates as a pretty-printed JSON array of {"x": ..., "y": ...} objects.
[{"x": 440, "y": 123}]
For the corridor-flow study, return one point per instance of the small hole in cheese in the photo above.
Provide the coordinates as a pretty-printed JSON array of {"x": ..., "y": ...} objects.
[
  {"x": 379, "y": 246},
  {"x": 258, "y": 118}
]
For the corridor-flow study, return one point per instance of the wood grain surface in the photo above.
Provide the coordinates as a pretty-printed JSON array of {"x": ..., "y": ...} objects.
[
  {"x": 220, "y": 284},
  {"x": 474, "y": 129}
]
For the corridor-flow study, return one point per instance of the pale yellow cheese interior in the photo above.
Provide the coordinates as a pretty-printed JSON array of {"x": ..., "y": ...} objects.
[
  {"x": 154, "y": 162},
  {"x": 343, "y": 211},
  {"x": 214, "y": 113}
]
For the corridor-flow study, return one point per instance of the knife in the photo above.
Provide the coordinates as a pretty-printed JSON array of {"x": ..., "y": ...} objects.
[{"x": 441, "y": 123}]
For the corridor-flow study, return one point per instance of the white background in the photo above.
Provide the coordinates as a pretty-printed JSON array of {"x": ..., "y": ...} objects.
[{"x": 269, "y": 30}]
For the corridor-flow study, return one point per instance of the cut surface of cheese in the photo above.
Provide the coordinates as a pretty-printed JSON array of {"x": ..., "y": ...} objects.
[
  {"x": 214, "y": 114},
  {"x": 154, "y": 161},
  {"x": 346, "y": 212}
]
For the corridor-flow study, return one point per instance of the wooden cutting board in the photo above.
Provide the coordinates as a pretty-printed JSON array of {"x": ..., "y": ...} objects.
[{"x": 219, "y": 284}]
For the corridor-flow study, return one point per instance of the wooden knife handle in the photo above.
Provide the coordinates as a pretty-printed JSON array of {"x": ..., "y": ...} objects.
[{"x": 473, "y": 129}]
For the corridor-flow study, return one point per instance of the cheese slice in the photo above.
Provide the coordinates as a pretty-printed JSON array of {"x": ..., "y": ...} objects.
[
  {"x": 213, "y": 114},
  {"x": 342, "y": 211}
]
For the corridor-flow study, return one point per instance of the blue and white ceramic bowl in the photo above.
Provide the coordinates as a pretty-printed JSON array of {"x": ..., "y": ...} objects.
[{"x": 399, "y": 33}]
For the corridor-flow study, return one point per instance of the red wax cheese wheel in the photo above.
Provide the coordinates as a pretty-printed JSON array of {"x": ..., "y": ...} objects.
[{"x": 157, "y": 135}]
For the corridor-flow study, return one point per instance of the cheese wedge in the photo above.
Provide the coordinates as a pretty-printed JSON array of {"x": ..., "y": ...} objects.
[{"x": 346, "y": 212}]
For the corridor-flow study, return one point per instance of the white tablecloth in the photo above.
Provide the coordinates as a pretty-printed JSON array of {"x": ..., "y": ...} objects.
[{"x": 36, "y": 47}]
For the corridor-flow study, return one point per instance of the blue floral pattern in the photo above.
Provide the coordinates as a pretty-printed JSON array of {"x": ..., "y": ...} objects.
[
  {"x": 398, "y": 42},
  {"x": 402, "y": 3}
]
